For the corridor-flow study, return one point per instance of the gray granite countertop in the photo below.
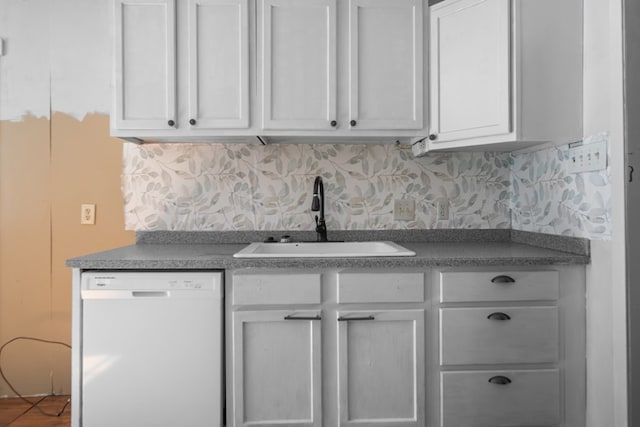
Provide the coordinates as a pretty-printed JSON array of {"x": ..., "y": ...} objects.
[{"x": 211, "y": 251}]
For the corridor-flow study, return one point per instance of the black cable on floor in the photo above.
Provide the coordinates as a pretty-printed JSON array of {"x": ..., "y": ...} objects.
[{"x": 6, "y": 380}]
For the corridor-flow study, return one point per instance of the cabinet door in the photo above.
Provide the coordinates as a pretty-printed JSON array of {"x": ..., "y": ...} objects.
[
  {"x": 470, "y": 69},
  {"x": 381, "y": 368},
  {"x": 298, "y": 67},
  {"x": 385, "y": 64},
  {"x": 276, "y": 369},
  {"x": 219, "y": 63},
  {"x": 145, "y": 76}
]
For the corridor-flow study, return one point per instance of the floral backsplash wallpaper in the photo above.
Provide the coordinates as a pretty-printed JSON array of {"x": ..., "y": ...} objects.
[
  {"x": 254, "y": 187},
  {"x": 545, "y": 198}
]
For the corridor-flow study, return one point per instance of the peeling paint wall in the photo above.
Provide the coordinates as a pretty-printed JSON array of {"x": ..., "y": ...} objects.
[{"x": 57, "y": 57}]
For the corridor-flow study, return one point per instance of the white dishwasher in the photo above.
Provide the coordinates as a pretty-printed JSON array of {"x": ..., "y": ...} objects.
[{"x": 152, "y": 349}]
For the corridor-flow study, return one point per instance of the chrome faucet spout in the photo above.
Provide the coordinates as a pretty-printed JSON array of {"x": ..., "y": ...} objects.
[{"x": 317, "y": 205}]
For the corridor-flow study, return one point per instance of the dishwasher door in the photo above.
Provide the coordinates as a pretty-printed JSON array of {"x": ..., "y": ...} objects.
[{"x": 151, "y": 349}]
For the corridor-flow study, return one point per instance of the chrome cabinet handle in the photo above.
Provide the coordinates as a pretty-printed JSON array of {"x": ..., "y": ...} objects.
[
  {"x": 499, "y": 316},
  {"x": 500, "y": 380},
  {"x": 347, "y": 319},
  {"x": 503, "y": 279},
  {"x": 294, "y": 317}
]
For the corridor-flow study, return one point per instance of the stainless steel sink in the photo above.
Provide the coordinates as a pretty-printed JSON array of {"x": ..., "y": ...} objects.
[{"x": 323, "y": 250}]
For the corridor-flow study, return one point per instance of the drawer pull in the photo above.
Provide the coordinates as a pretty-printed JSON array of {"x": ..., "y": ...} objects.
[
  {"x": 500, "y": 380},
  {"x": 293, "y": 317},
  {"x": 499, "y": 316},
  {"x": 503, "y": 279},
  {"x": 346, "y": 319}
]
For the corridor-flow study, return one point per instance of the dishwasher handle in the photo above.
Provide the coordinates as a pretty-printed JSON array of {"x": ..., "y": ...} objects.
[{"x": 150, "y": 294}]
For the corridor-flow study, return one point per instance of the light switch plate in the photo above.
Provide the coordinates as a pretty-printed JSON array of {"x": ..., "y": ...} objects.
[{"x": 587, "y": 158}]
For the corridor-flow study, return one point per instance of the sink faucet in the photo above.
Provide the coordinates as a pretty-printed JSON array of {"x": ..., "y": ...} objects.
[{"x": 317, "y": 205}]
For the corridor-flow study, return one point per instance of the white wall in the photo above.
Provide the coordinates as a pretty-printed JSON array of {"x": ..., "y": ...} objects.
[
  {"x": 606, "y": 346},
  {"x": 632, "y": 92},
  {"x": 57, "y": 57}
]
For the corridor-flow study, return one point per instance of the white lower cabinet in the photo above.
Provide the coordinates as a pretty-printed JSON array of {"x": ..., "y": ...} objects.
[
  {"x": 478, "y": 347},
  {"x": 498, "y": 335},
  {"x": 277, "y": 370},
  {"x": 501, "y": 398},
  {"x": 511, "y": 347},
  {"x": 381, "y": 368}
]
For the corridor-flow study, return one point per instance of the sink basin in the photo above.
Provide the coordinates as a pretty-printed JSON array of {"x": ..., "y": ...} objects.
[{"x": 323, "y": 250}]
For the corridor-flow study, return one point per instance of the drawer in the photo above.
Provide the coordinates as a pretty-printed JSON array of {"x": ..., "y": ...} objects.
[
  {"x": 387, "y": 286},
  {"x": 468, "y": 336},
  {"x": 530, "y": 398},
  {"x": 268, "y": 288},
  {"x": 469, "y": 286}
]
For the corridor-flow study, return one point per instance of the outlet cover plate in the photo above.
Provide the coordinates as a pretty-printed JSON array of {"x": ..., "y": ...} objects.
[
  {"x": 587, "y": 158},
  {"x": 442, "y": 206},
  {"x": 88, "y": 214},
  {"x": 404, "y": 210}
]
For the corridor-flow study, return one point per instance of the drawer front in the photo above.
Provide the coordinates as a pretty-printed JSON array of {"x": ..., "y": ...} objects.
[
  {"x": 357, "y": 287},
  {"x": 530, "y": 398},
  {"x": 276, "y": 288},
  {"x": 488, "y": 335},
  {"x": 471, "y": 286}
]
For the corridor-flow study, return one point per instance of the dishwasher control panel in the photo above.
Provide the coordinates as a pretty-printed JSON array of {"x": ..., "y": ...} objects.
[{"x": 146, "y": 281}]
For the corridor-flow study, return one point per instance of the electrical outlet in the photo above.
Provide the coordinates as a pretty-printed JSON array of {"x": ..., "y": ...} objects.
[
  {"x": 404, "y": 210},
  {"x": 88, "y": 214},
  {"x": 442, "y": 207},
  {"x": 586, "y": 158}
]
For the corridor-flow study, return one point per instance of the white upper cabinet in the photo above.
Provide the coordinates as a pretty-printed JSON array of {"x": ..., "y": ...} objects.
[
  {"x": 274, "y": 70},
  {"x": 505, "y": 74},
  {"x": 470, "y": 66},
  {"x": 145, "y": 74},
  {"x": 385, "y": 64},
  {"x": 181, "y": 71},
  {"x": 218, "y": 63},
  {"x": 298, "y": 67},
  {"x": 341, "y": 65}
]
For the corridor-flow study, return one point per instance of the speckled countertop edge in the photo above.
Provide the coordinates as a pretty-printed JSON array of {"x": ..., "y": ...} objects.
[
  {"x": 245, "y": 237},
  {"x": 574, "y": 245},
  {"x": 434, "y": 248}
]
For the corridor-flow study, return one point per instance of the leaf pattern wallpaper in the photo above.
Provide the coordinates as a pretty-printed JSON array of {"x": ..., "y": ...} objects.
[
  {"x": 545, "y": 198},
  {"x": 255, "y": 187}
]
